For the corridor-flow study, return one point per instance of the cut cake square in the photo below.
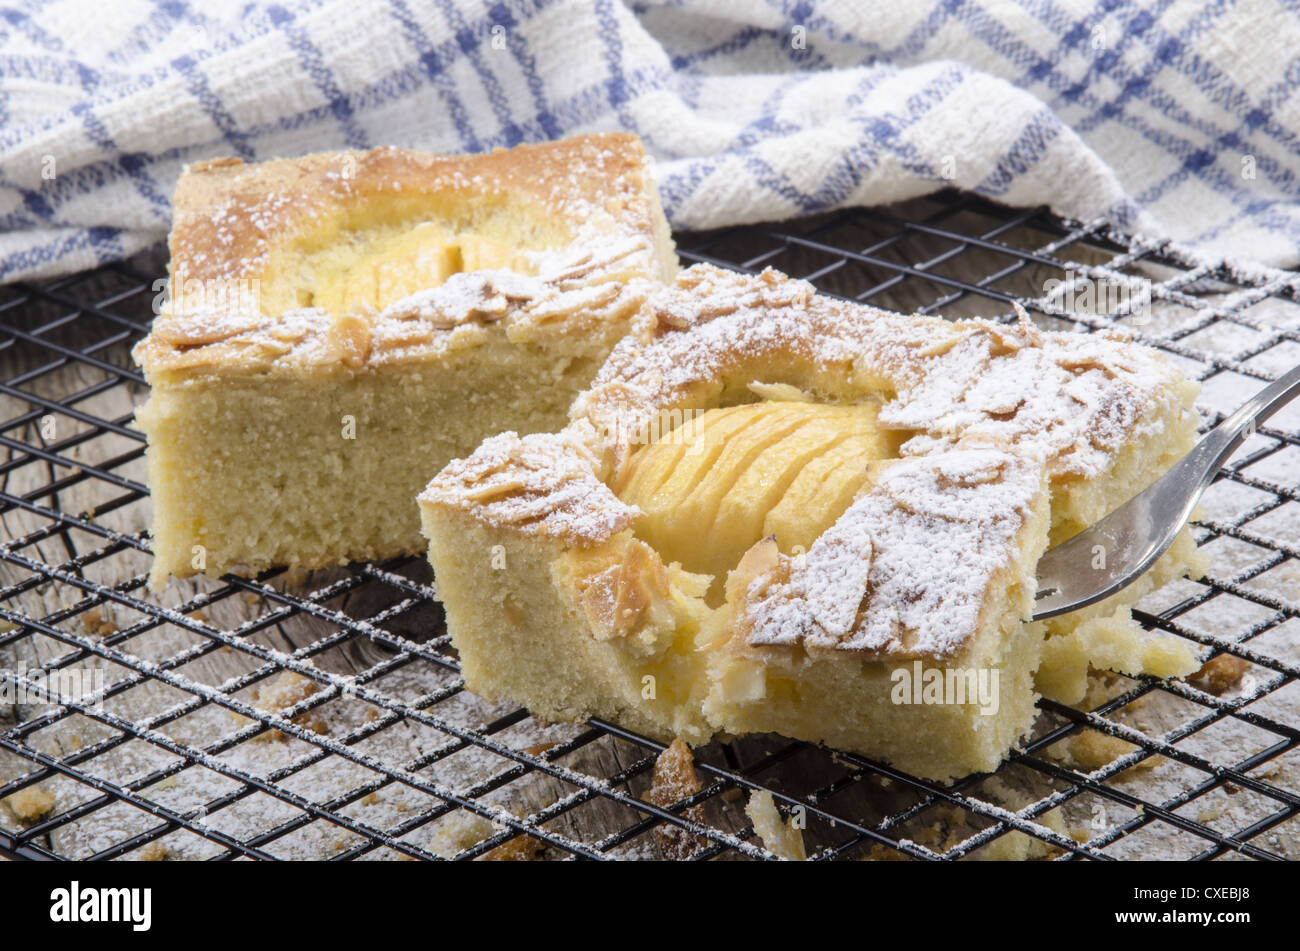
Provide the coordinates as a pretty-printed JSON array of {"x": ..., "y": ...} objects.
[
  {"x": 342, "y": 325},
  {"x": 774, "y": 511}
]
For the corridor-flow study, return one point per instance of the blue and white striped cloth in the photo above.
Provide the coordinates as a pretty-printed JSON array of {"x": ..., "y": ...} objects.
[{"x": 1176, "y": 119}]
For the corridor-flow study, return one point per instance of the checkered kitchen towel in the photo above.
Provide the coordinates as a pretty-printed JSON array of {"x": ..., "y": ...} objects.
[{"x": 1179, "y": 119}]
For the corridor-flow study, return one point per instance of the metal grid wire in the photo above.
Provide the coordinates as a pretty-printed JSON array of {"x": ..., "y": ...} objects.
[{"x": 198, "y": 744}]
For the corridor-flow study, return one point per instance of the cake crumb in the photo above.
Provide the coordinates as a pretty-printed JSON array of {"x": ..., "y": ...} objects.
[
  {"x": 155, "y": 852},
  {"x": 30, "y": 805},
  {"x": 284, "y": 692},
  {"x": 782, "y": 839},
  {"x": 96, "y": 624},
  {"x": 458, "y": 832},
  {"x": 674, "y": 780},
  {"x": 1091, "y": 749},
  {"x": 1220, "y": 674},
  {"x": 522, "y": 848},
  {"x": 945, "y": 827}
]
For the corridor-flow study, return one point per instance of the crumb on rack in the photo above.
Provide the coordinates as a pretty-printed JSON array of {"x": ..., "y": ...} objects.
[
  {"x": 781, "y": 838},
  {"x": 155, "y": 852},
  {"x": 1089, "y": 749},
  {"x": 675, "y": 779},
  {"x": 944, "y": 827},
  {"x": 1220, "y": 674},
  {"x": 522, "y": 848},
  {"x": 97, "y": 623},
  {"x": 458, "y": 832},
  {"x": 282, "y": 693},
  {"x": 30, "y": 805}
]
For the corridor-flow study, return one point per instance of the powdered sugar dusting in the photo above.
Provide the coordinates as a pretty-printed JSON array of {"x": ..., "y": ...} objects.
[
  {"x": 482, "y": 295},
  {"x": 541, "y": 484},
  {"x": 571, "y": 282},
  {"x": 234, "y": 222},
  {"x": 905, "y": 570},
  {"x": 1075, "y": 398},
  {"x": 993, "y": 413}
]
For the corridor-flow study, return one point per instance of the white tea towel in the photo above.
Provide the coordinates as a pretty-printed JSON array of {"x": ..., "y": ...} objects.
[{"x": 1176, "y": 119}]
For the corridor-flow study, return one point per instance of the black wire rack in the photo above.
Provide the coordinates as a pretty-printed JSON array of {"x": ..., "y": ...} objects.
[{"x": 321, "y": 715}]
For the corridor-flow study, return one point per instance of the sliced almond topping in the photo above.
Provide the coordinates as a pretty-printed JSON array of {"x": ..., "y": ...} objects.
[
  {"x": 198, "y": 330},
  {"x": 349, "y": 338}
]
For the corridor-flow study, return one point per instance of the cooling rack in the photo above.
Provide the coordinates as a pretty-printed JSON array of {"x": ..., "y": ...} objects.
[{"x": 321, "y": 715}]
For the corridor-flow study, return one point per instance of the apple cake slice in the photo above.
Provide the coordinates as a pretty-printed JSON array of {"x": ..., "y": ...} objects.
[
  {"x": 342, "y": 325},
  {"x": 779, "y": 512}
]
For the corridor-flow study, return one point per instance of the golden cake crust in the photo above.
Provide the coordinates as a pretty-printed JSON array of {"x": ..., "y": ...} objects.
[{"x": 230, "y": 216}]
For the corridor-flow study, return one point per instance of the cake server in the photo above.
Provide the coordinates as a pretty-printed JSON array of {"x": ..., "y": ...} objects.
[{"x": 1113, "y": 553}]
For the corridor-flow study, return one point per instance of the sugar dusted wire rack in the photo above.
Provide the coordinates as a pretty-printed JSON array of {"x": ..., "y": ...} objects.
[{"x": 321, "y": 715}]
